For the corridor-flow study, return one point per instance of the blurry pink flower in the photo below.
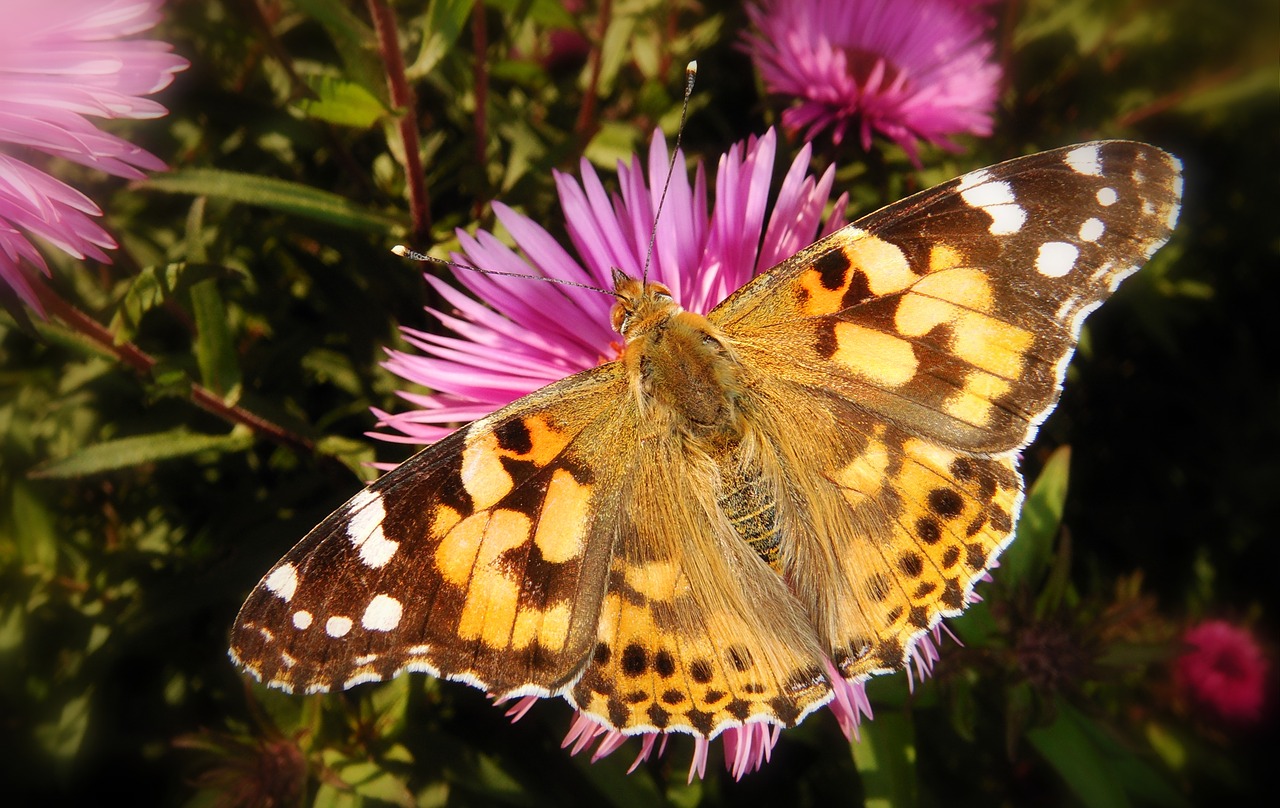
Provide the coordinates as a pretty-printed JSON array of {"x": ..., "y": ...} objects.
[
  {"x": 1223, "y": 669},
  {"x": 909, "y": 69},
  {"x": 513, "y": 338},
  {"x": 60, "y": 62}
]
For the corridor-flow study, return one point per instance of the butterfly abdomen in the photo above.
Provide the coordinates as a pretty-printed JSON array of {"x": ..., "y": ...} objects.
[{"x": 749, "y": 503}]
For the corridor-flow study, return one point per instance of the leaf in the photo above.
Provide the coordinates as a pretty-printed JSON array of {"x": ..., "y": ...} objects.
[
  {"x": 1028, "y": 556},
  {"x": 444, "y": 23},
  {"x": 886, "y": 761},
  {"x": 215, "y": 355},
  {"x": 282, "y": 195},
  {"x": 353, "y": 39},
  {"x": 365, "y": 778},
  {"x": 62, "y": 738},
  {"x": 34, "y": 535},
  {"x": 355, "y": 455},
  {"x": 134, "y": 451},
  {"x": 342, "y": 102},
  {"x": 1068, "y": 747},
  {"x": 151, "y": 287}
]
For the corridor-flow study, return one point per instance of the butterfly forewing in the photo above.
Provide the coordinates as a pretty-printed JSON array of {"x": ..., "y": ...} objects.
[
  {"x": 481, "y": 558},
  {"x": 953, "y": 312}
]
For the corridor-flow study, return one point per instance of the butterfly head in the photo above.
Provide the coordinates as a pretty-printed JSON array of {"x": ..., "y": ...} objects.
[
  {"x": 639, "y": 306},
  {"x": 680, "y": 364}
]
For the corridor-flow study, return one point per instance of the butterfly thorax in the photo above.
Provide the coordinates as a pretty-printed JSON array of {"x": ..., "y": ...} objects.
[
  {"x": 681, "y": 370},
  {"x": 687, "y": 384}
]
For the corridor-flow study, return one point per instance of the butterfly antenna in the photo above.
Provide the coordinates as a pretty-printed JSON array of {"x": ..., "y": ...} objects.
[
  {"x": 690, "y": 73},
  {"x": 414, "y": 255}
]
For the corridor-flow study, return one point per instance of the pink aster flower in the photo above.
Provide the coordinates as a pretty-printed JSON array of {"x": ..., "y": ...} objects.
[
  {"x": 911, "y": 70},
  {"x": 509, "y": 338},
  {"x": 1223, "y": 669},
  {"x": 60, "y": 64}
]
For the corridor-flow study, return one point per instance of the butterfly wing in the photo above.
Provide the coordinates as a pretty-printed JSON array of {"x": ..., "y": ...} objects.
[
  {"x": 954, "y": 312},
  {"x": 920, "y": 347},
  {"x": 482, "y": 558},
  {"x": 695, "y": 633},
  {"x": 551, "y": 548}
]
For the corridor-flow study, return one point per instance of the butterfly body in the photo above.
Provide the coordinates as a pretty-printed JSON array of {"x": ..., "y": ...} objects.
[{"x": 747, "y": 504}]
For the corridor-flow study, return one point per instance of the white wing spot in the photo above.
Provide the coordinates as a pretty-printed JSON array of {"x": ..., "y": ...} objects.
[
  {"x": 360, "y": 661},
  {"x": 996, "y": 198},
  {"x": 382, "y": 613},
  {"x": 973, "y": 178},
  {"x": 302, "y": 619},
  {"x": 1084, "y": 160},
  {"x": 283, "y": 581},
  {"x": 365, "y": 529},
  {"x": 288, "y": 661},
  {"x": 1092, "y": 230},
  {"x": 1056, "y": 258},
  {"x": 378, "y": 549},
  {"x": 1107, "y": 197},
  {"x": 266, "y": 634},
  {"x": 337, "y": 626}
]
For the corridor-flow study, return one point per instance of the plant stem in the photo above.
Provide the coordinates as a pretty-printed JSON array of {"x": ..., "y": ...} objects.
[
  {"x": 402, "y": 98},
  {"x": 142, "y": 363},
  {"x": 480, "y": 44}
]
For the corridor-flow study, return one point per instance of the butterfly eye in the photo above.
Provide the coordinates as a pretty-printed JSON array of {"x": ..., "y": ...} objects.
[
  {"x": 620, "y": 317},
  {"x": 713, "y": 342}
]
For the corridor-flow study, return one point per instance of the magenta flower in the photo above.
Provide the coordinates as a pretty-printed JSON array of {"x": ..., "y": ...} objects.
[
  {"x": 911, "y": 70},
  {"x": 61, "y": 63},
  {"x": 1224, "y": 670},
  {"x": 514, "y": 337}
]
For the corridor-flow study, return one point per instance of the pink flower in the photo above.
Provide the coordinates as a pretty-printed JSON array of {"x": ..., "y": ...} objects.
[
  {"x": 514, "y": 337},
  {"x": 909, "y": 69},
  {"x": 1223, "y": 669},
  {"x": 61, "y": 63},
  {"x": 518, "y": 337}
]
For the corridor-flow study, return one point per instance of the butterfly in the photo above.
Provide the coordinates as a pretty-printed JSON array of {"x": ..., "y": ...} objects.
[{"x": 744, "y": 505}]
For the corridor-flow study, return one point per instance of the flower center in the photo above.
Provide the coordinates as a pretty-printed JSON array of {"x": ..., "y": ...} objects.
[{"x": 862, "y": 64}]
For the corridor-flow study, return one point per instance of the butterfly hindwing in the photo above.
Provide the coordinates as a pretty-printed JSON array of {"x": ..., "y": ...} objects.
[
  {"x": 482, "y": 558},
  {"x": 695, "y": 633},
  {"x": 891, "y": 535}
]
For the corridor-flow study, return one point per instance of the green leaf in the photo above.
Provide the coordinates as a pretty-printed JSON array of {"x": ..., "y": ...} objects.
[
  {"x": 288, "y": 197},
  {"x": 443, "y": 24},
  {"x": 355, "y": 455},
  {"x": 62, "y": 738},
  {"x": 886, "y": 761},
  {"x": 1026, "y": 559},
  {"x": 1068, "y": 746},
  {"x": 134, "y": 451},
  {"x": 388, "y": 705},
  {"x": 33, "y": 531},
  {"x": 342, "y": 102},
  {"x": 151, "y": 287},
  {"x": 370, "y": 780},
  {"x": 353, "y": 39},
  {"x": 215, "y": 355}
]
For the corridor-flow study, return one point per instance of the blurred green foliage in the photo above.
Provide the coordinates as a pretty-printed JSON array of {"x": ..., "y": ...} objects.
[{"x": 148, "y": 480}]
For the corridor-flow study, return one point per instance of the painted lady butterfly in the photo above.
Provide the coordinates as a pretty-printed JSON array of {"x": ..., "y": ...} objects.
[{"x": 818, "y": 470}]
